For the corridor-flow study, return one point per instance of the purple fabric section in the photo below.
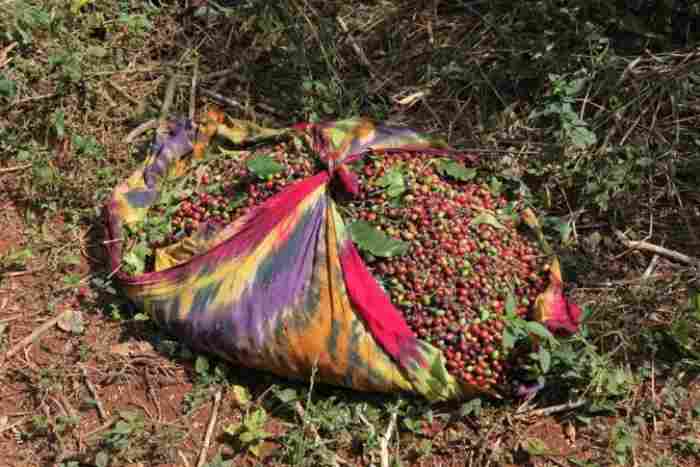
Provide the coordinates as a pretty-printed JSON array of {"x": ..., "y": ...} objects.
[
  {"x": 281, "y": 280},
  {"x": 168, "y": 148},
  {"x": 255, "y": 226}
]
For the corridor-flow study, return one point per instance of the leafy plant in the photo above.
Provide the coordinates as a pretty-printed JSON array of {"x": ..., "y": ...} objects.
[
  {"x": 623, "y": 440},
  {"x": 68, "y": 64},
  {"x": 15, "y": 258},
  {"x": 123, "y": 436},
  {"x": 687, "y": 446},
  {"x": 206, "y": 377},
  {"x": 250, "y": 433},
  {"x": 561, "y": 104},
  {"x": 87, "y": 146}
]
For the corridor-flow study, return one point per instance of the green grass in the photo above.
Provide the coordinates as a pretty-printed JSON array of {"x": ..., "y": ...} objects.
[{"x": 586, "y": 108}]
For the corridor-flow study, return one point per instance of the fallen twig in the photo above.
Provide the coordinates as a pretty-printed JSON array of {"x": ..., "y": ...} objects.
[
  {"x": 123, "y": 93},
  {"x": 234, "y": 103},
  {"x": 93, "y": 392},
  {"x": 12, "y": 425},
  {"x": 227, "y": 101},
  {"x": 646, "y": 246},
  {"x": 184, "y": 459},
  {"x": 650, "y": 268},
  {"x": 4, "y": 60},
  {"x": 546, "y": 411},
  {"x": 193, "y": 91},
  {"x": 210, "y": 429},
  {"x": 124, "y": 71},
  {"x": 355, "y": 46},
  {"x": 384, "y": 443},
  {"x": 138, "y": 131},
  {"x": 20, "y": 273},
  {"x": 37, "y": 332},
  {"x": 167, "y": 101},
  {"x": 35, "y": 98},
  {"x": 16, "y": 168}
]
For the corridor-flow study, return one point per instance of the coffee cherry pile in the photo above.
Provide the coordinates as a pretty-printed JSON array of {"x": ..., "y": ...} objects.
[
  {"x": 465, "y": 258},
  {"x": 219, "y": 190},
  {"x": 226, "y": 188}
]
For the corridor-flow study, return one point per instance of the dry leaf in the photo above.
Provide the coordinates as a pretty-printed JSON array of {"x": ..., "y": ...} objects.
[{"x": 72, "y": 321}]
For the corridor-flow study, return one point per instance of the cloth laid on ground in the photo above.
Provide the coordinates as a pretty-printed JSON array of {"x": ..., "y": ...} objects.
[{"x": 283, "y": 288}]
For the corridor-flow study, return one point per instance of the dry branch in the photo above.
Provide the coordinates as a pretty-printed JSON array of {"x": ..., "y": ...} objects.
[
  {"x": 17, "y": 168},
  {"x": 355, "y": 46},
  {"x": 167, "y": 101},
  {"x": 384, "y": 443},
  {"x": 37, "y": 332},
  {"x": 4, "y": 60},
  {"x": 546, "y": 411},
  {"x": 193, "y": 92},
  {"x": 95, "y": 396},
  {"x": 139, "y": 130},
  {"x": 210, "y": 429},
  {"x": 659, "y": 250},
  {"x": 227, "y": 101},
  {"x": 123, "y": 93}
]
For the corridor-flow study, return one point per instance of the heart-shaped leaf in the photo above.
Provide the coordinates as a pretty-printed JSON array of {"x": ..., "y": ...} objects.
[{"x": 374, "y": 241}]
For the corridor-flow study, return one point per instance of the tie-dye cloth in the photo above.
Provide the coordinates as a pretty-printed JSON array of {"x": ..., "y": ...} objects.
[{"x": 283, "y": 288}]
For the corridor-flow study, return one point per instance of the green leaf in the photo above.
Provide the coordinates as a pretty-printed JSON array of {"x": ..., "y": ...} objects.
[
  {"x": 456, "y": 170},
  {"x": 374, "y": 241},
  {"x": 16, "y": 257},
  {"x": 247, "y": 437},
  {"x": 565, "y": 231},
  {"x": 473, "y": 407},
  {"x": 255, "y": 449},
  {"x": 73, "y": 260},
  {"x": 694, "y": 303},
  {"x": 533, "y": 327},
  {"x": 393, "y": 182},
  {"x": 136, "y": 258},
  {"x": 59, "y": 123},
  {"x": 122, "y": 428},
  {"x": 256, "y": 419},
  {"x": 545, "y": 359},
  {"x": 495, "y": 185},
  {"x": 8, "y": 88},
  {"x": 510, "y": 304},
  {"x": 72, "y": 279},
  {"x": 201, "y": 365},
  {"x": 240, "y": 395},
  {"x": 232, "y": 429},
  {"x": 582, "y": 137},
  {"x": 264, "y": 166},
  {"x": 287, "y": 395},
  {"x": 486, "y": 218},
  {"x": 535, "y": 447},
  {"x": 508, "y": 339}
]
